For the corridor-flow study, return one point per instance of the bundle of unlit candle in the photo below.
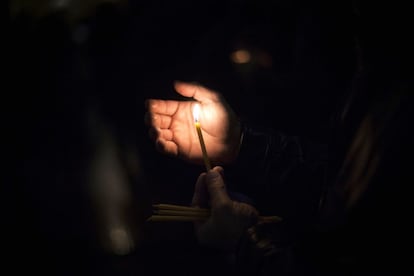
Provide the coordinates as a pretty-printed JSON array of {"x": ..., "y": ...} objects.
[{"x": 171, "y": 212}]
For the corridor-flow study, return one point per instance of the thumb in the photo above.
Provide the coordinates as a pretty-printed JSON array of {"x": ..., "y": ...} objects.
[
  {"x": 216, "y": 187},
  {"x": 200, "y": 192},
  {"x": 195, "y": 91}
]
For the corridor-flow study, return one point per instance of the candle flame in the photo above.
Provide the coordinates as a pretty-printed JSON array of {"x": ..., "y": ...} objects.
[{"x": 196, "y": 112}]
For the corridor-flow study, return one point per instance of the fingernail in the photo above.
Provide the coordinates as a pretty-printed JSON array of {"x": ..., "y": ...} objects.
[{"x": 213, "y": 175}]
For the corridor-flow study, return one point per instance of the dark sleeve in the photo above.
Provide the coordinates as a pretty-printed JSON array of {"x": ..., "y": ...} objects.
[{"x": 283, "y": 175}]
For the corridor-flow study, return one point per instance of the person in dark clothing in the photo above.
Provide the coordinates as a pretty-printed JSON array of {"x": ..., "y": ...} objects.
[
  {"x": 343, "y": 202},
  {"x": 340, "y": 219}
]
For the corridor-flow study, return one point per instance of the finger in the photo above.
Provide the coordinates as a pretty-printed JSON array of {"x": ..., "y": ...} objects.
[
  {"x": 247, "y": 210},
  {"x": 195, "y": 91},
  {"x": 164, "y": 107},
  {"x": 165, "y": 134},
  {"x": 200, "y": 196},
  {"x": 158, "y": 120},
  {"x": 166, "y": 147},
  {"x": 157, "y": 133},
  {"x": 220, "y": 170},
  {"x": 216, "y": 188}
]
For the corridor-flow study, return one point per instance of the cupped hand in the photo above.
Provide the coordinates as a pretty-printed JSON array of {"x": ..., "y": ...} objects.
[{"x": 172, "y": 128}]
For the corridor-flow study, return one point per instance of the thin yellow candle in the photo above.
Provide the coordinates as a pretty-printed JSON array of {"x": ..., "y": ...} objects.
[{"x": 196, "y": 113}]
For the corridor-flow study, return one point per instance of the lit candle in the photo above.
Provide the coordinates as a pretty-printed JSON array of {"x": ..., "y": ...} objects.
[{"x": 196, "y": 113}]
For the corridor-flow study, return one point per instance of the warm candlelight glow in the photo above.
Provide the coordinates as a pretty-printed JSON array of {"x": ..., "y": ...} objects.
[{"x": 196, "y": 115}]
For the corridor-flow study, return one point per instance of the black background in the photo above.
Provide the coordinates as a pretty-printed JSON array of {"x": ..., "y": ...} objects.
[{"x": 65, "y": 95}]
